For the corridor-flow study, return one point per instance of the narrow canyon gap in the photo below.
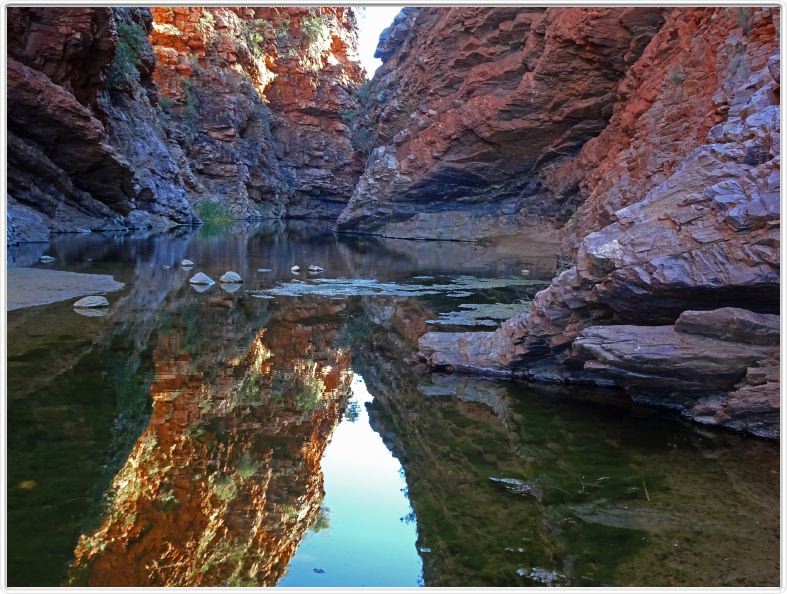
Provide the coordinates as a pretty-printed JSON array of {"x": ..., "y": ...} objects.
[{"x": 544, "y": 240}]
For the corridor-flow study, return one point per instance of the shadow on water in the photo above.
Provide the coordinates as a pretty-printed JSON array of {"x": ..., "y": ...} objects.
[{"x": 186, "y": 437}]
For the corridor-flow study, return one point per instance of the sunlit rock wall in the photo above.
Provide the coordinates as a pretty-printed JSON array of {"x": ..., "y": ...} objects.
[{"x": 131, "y": 118}]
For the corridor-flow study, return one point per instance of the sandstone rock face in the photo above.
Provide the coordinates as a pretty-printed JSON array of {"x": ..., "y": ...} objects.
[
  {"x": 481, "y": 113},
  {"x": 119, "y": 118},
  {"x": 70, "y": 167},
  {"x": 255, "y": 95},
  {"x": 681, "y": 213}
]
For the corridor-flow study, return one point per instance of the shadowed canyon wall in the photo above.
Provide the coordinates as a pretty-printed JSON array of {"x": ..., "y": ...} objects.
[
  {"x": 131, "y": 118},
  {"x": 679, "y": 224},
  {"x": 480, "y": 114}
]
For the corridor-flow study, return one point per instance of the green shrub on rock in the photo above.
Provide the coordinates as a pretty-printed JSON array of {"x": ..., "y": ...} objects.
[{"x": 132, "y": 43}]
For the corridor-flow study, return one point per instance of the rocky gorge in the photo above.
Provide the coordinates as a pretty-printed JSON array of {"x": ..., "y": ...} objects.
[
  {"x": 135, "y": 118},
  {"x": 642, "y": 144}
]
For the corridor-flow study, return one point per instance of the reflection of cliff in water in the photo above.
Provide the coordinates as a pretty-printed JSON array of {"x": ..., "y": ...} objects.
[
  {"x": 191, "y": 427},
  {"x": 225, "y": 480},
  {"x": 601, "y": 495}
]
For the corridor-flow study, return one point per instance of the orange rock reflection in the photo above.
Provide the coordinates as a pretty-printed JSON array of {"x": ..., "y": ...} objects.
[{"x": 224, "y": 482}]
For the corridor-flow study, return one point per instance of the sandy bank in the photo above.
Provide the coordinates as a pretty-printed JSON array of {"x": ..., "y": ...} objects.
[{"x": 27, "y": 287}]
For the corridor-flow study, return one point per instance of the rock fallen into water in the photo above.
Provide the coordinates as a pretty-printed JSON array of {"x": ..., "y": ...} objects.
[
  {"x": 314, "y": 268},
  {"x": 295, "y": 269},
  {"x": 92, "y": 301},
  {"x": 186, "y": 263},
  {"x": 231, "y": 277},
  {"x": 46, "y": 259},
  {"x": 545, "y": 576},
  {"x": 264, "y": 270},
  {"x": 731, "y": 324},
  {"x": 201, "y": 279},
  {"x": 517, "y": 486}
]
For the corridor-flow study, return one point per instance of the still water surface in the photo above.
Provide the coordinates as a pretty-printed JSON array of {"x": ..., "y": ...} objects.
[{"x": 276, "y": 434}]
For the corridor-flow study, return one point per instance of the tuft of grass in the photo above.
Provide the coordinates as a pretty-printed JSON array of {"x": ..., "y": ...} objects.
[
  {"x": 363, "y": 140},
  {"x": 676, "y": 78},
  {"x": 214, "y": 213},
  {"x": 165, "y": 102}
]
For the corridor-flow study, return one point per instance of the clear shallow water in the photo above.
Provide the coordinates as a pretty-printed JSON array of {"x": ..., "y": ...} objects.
[
  {"x": 220, "y": 438},
  {"x": 366, "y": 539}
]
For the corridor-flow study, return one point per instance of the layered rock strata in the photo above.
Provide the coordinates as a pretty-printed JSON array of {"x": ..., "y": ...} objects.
[
  {"x": 256, "y": 96},
  {"x": 480, "y": 114},
  {"x": 119, "y": 118},
  {"x": 85, "y": 153},
  {"x": 681, "y": 214}
]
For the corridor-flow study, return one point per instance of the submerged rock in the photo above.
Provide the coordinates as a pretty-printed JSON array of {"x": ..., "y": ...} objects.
[
  {"x": 46, "y": 259},
  {"x": 347, "y": 287},
  {"x": 231, "y": 277},
  {"x": 264, "y": 270},
  {"x": 201, "y": 279},
  {"x": 92, "y": 301},
  {"x": 518, "y": 486},
  {"x": 186, "y": 263}
]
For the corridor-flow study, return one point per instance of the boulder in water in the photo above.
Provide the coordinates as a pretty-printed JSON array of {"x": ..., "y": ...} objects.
[
  {"x": 201, "y": 279},
  {"x": 92, "y": 301},
  {"x": 231, "y": 277}
]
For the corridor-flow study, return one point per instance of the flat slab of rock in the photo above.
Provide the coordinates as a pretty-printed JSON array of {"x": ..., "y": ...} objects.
[
  {"x": 28, "y": 287},
  {"x": 642, "y": 353},
  {"x": 731, "y": 324}
]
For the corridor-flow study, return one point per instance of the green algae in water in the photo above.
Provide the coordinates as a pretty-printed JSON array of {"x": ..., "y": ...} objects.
[
  {"x": 359, "y": 287},
  {"x": 481, "y": 314}
]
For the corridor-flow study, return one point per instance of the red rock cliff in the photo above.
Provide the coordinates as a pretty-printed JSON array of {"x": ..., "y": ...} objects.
[
  {"x": 256, "y": 96},
  {"x": 680, "y": 216},
  {"x": 122, "y": 119},
  {"x": 480, "y": 114}
]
